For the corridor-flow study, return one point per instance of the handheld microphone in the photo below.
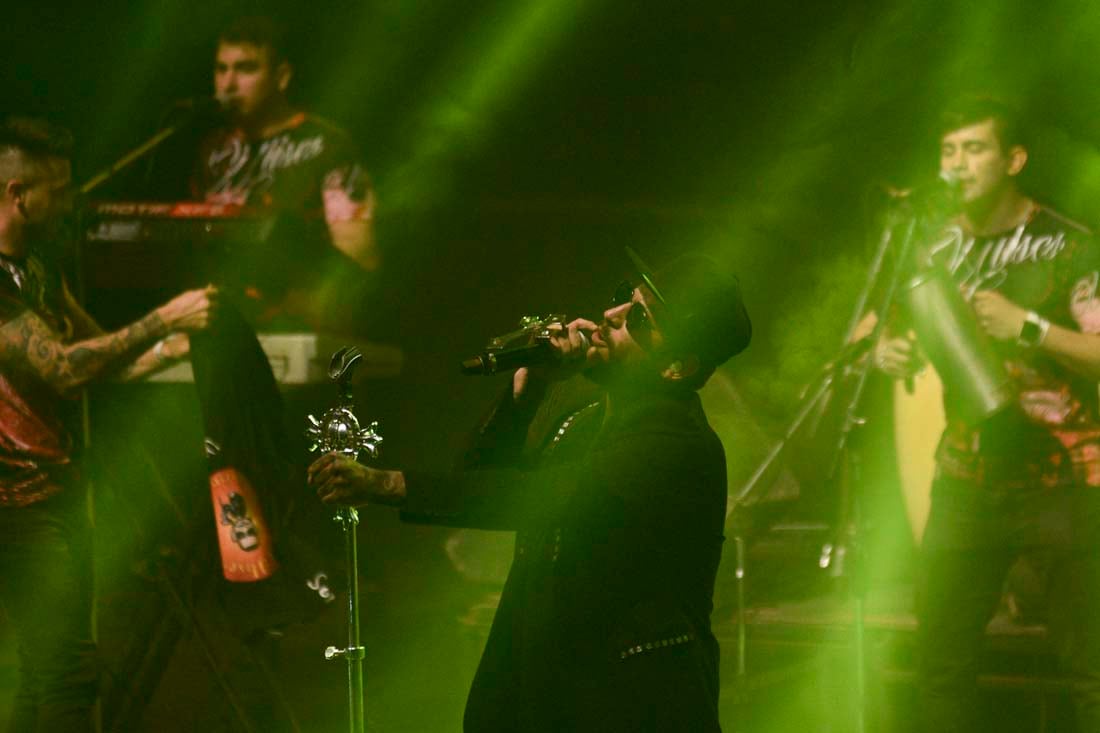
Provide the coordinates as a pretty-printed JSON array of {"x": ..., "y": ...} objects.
[{"x": 491, "y": 361}]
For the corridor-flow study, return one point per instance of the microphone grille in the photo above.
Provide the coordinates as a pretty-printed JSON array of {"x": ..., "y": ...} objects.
[{"x": 586, "y": 340}]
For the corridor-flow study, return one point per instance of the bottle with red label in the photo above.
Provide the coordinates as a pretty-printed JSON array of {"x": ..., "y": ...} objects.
[{"x": 244, "y": 539}]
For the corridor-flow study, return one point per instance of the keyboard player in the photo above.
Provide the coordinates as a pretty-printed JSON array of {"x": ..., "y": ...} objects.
[{"x": 312, "y": 272}]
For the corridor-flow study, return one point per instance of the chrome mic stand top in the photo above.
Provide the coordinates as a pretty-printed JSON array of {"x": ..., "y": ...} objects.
[{"x": 338, "y": 430}]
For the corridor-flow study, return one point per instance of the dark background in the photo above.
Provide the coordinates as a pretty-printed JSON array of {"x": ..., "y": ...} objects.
[{"x": 516, "y": 147}]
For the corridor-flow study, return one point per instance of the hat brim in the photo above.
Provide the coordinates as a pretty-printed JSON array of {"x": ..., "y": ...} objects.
[{"x": 646, "y": 273}]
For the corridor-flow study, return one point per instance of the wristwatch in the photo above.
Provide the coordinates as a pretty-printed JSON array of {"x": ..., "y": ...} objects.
[{"x": 1033, "y": 331}]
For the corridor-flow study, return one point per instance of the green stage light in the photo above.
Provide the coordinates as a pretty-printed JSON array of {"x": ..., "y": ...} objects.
[{"x": 477, "y": 82}]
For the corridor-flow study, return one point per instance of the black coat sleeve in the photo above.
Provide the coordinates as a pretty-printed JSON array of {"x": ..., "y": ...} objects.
[{"x": 645, "y": 469}]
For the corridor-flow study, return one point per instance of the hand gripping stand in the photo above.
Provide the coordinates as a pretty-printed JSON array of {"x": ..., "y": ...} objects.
[{"x": 338, "y": 430}]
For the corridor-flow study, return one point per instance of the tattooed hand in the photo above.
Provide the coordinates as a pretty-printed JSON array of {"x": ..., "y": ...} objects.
[
  {"x": 342, "y": 480},
  {"x": 193, "y": 310}
]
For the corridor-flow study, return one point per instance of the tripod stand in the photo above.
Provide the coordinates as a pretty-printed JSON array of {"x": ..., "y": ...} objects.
[{"x": 845, "y": 556}]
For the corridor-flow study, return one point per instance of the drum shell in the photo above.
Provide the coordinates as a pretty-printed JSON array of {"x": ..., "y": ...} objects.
[{"x": 974, "y": 375}]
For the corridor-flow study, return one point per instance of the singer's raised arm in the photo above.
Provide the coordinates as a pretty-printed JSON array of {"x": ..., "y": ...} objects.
[{"x": 630, "y": 481}]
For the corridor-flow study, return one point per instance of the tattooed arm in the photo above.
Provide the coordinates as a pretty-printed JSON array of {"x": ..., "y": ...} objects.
[
  {"x": 164, "y": 353},
  {"x": 29, "y": 344}
]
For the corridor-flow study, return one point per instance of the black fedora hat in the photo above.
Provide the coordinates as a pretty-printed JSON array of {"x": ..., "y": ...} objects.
[{"x": 702, "y": 311}]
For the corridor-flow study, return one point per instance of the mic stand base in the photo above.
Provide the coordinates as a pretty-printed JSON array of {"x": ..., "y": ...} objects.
[{"x": 354, "y": 652}]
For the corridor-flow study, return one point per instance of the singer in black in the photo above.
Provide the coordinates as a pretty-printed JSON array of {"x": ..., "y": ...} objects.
[
  {"x": 604, "y": 464},
  {"x": 1032, "y": 277},
  {"x": 304, "y": 171}
]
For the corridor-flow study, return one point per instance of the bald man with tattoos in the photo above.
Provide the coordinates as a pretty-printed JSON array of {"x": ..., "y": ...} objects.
[{"x": 49, "y": 349}]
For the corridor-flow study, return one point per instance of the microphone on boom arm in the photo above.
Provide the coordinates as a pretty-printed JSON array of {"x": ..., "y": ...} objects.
[
  {"x": 196, "y": 110},
  {"x": 942, "y": 194}
]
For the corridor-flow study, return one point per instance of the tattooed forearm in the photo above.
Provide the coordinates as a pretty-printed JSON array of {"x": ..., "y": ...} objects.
[
  {"x": 166, "y": 352},
  {"x": 28, "y": 342},
  {"x": 140, "y": 367}
]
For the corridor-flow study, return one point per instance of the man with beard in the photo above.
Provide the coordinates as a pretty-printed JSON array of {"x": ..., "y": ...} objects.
[
  {"x": 49, "y": 349},
  {"x": 1031, "y": 276},
  {"x": 302, "y": 171},
  {"x": 605, "y": 466}
]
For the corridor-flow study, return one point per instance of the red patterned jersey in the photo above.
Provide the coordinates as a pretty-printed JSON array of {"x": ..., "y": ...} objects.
[
  {"x": 35, "y": 443},
  {"x": 1049, "y": 265}
]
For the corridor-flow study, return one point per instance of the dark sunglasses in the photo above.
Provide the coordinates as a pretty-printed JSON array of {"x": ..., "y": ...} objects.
[{"x": 637, "y": 318}]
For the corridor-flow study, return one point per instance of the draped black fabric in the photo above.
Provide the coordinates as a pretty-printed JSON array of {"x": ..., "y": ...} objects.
[
  {"x": 242, "y": 410},
  {"x": 242, "y": 414}
]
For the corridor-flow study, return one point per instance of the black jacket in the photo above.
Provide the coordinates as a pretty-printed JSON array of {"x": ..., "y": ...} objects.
[{"x": 604, "y": 622}]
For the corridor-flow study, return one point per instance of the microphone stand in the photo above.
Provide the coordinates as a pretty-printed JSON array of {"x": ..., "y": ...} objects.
[
  {"x": 184, "y": 121},
  {"x": 848, "y": 360},
  {"x": 86, "y": 188},
  {"x": 80, "y": 285},
  {"x": 141, "y": 150},
  {"x": 338, "y": 430}
]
